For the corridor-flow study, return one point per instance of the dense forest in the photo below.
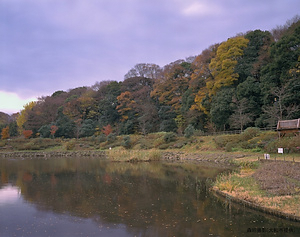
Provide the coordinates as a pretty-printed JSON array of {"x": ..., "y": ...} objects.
[{"x": 250, "y": 80}]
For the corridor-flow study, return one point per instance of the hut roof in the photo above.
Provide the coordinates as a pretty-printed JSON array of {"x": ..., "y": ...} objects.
[{"x": 288, "y": 124}]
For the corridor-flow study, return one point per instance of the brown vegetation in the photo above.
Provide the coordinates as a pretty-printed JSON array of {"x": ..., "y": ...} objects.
[{"x": 279, "y": 178}]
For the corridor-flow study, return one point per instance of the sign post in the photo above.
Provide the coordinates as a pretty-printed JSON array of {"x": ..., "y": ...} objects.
[{"x": 280, "y": 151}]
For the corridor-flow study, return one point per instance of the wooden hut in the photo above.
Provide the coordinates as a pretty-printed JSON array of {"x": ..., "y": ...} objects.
[{"x": 288, "y": 126}]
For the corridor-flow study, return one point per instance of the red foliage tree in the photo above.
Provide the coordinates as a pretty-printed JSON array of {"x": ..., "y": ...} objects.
[
  {"x": 53, "y": 130},
  {"x": 107, "y": 129}
]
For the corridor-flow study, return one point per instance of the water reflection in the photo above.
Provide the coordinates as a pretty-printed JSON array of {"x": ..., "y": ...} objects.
[
  {"x": 90, "y": 197},
  {"x": 9, "y": 195}
]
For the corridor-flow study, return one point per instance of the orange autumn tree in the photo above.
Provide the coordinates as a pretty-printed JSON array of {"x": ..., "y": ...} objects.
[
  {"x": 201, "y": 75},
  {"x": 27, "y": 133},
  {"x": 5, "y": 133},
  {"x": 126, "y": 104},
  {"x": 169, "y": 89}
]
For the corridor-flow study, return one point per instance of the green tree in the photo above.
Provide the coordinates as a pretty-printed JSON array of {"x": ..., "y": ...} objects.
[
  {"x": 107, "y": 103},
  {"x": 283, "y": 57},
  {"x": 167, "y": 119},
  {"x": 250, "y": 90},
  {"x": 189, "y": 131},
  {"x": 13, "y": 129},
  {"x": 88, "y": 128},
  {"x": 44, "y": 131},
  {"x": 255, "y": 55},
  {"x": 221, "y": 108},
  {"x": 66, "y": 127}
]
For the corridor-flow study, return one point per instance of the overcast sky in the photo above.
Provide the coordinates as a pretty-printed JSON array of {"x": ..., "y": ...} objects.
[{"x": 50, "y": 45}]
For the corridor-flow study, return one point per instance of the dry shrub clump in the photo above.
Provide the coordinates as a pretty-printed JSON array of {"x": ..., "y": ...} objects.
[
  {"x": 292, "y": 144},
  {"x": 251, "y": 139},
  {"x": 222, "y": 140},
  {"x": 279, "y": 178},
  {"x": 121, "y": 154}
]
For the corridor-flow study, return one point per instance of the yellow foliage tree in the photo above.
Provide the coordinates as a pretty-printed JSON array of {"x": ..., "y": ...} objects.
[
  {"x": 23, "y": 115},
  {"x": 222, "y": 66},
  {"x": 199, "y": 99}
]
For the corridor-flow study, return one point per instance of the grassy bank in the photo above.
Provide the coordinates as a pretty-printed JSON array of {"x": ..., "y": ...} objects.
[
  {"x": 271, "y": 185},
  {"x": 248, "y": 146}
]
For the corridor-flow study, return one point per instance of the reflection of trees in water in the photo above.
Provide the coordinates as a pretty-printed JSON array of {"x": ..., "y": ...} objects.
[{"x": 149, "y": 196}]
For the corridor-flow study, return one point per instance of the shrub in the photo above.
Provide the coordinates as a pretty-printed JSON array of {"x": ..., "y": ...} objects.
[
  {"x": 169, "y": 137},
  {"x": 2, "y": 143},
  {"x": 271, "y": 147},
  {"x": 245, "y": 145},
  {"x": 229, "y": 146},
  {"x": 126, "y": 142},
  {"x": 111, "y": 138},
  {"x": 163, "y": 146},
  {"x": 70, "y": 145},
  {"x": 222, "y": 140},
  {"x": 31, "y": 146},
  {"x": 198, "y": 133},
  {"x": 189, "y": 131},
  {"x": 155, "y": 155},
  {"x": 250, "y": 133},
  {"x": 180, "y": 144},
  {"x": 102, "y": 138},
  {"x": 257, "y": 149}
]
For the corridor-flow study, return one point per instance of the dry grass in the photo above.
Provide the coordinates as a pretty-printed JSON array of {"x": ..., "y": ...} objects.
[
  {"x": 121, "y": 154},
  {"x": 279, "y": 178},
  {"x": 272, "y": 185}
]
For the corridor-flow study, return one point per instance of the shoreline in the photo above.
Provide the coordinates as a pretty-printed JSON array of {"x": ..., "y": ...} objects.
[
  {"x": 49, "y": 154},
  {"x": 217, "y": 157},
  {"x": 270, "y": 211}
]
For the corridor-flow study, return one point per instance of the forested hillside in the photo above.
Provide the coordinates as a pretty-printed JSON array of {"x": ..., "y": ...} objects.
[{"x": 252, "y": 79}]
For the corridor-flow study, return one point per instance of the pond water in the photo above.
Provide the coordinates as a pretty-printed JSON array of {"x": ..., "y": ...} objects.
[{"x": 92, "y": 197}]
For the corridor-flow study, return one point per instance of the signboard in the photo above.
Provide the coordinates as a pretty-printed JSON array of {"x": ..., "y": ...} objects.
[{"x": 280, "y": 150}]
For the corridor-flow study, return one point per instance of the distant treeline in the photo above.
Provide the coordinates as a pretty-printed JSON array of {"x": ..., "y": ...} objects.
[{"x": 251, "y": 79}]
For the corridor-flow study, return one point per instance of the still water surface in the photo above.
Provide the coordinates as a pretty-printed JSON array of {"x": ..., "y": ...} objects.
[{"x": 91, "y": 197}]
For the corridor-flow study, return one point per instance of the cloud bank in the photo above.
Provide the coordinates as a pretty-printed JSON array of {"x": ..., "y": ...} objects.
[{"x": 49, "y": 45}]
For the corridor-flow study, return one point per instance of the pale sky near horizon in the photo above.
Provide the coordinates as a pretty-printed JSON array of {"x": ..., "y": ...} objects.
[{"x": 50, "y": 45}]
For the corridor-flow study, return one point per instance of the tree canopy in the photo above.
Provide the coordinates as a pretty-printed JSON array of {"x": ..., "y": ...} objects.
[{"x": 248, "y": 80}]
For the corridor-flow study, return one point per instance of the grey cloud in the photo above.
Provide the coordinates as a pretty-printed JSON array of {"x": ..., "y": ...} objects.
[{"x": 48, "y": 45}]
